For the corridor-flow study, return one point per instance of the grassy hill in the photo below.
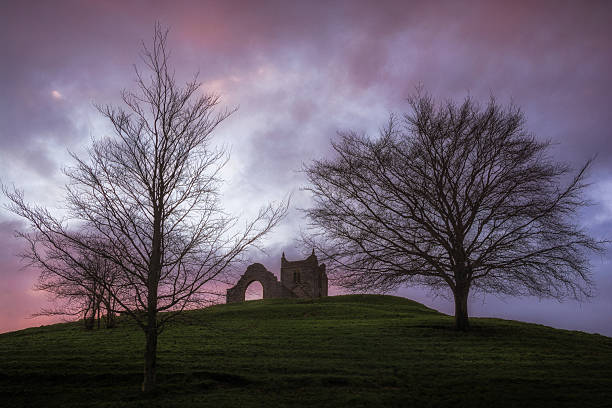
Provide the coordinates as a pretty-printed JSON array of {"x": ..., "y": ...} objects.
[{"x": 357, "y": 351}]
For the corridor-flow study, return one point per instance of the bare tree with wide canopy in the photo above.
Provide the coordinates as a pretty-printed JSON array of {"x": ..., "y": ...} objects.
[
  {"x": 451, "y": 196},
  {"x": 151, "y": 193}
]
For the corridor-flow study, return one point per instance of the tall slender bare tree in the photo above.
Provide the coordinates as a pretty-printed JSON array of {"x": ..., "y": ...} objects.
[
  {"x": 152, "y": 193},
  {"x": 451, "y": 196}
]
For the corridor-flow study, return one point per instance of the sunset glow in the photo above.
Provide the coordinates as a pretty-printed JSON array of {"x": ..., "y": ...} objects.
[{"x": 299, "y": 73}]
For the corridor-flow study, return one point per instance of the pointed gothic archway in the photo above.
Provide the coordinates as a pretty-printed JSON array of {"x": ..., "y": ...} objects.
[{"x": 254, "y": 291}]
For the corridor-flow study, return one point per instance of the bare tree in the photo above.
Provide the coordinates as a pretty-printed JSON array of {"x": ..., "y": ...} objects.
[
  {"x": 455, "y": 197},
  {"x": 152, "y": 193},
  {"x": 86, "y": 288}
]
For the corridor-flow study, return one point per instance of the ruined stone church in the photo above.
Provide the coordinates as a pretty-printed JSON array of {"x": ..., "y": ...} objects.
[{"x": 299, "y": 279}]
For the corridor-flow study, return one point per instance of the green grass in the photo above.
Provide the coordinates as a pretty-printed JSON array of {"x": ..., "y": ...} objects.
[{"x": 357, "y": 351}]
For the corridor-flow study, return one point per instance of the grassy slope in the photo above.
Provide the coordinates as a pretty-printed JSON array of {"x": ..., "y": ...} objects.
[{"x": 346, "y": 350}]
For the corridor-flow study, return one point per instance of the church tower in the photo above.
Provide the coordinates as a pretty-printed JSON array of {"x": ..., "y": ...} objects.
[{"x": 305, "y": 278}]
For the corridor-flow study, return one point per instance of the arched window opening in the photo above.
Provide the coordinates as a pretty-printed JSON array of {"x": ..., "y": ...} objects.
[
  {"x": 296, "y": 277},
  {"x": 254, "y": 291}
]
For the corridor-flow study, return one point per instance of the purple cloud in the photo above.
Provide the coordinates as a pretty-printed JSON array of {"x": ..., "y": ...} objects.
[{"x": 299, "y": 72}]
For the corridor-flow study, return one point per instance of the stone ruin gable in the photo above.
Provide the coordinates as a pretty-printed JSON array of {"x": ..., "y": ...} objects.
[
  {"x": 299, "y": 279},
  {"x": 306, "y": 278},
  {"x": 272, "y": 288}
]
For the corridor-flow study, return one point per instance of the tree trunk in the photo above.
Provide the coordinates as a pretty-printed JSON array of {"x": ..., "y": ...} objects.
[
  {"x": 90, "y": 319},
  {"x": 99, "y": 315},
  {"x": 148, "y": 384},
  {"x": 461, "y": 307},
  {"x": 87, "y": 321}
]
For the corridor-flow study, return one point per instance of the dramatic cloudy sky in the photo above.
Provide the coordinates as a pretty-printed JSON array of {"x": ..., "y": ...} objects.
[{"x": 300, "y": 71}]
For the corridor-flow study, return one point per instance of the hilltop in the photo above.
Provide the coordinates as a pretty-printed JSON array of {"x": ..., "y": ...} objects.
[{"x": 357, "y": 350}]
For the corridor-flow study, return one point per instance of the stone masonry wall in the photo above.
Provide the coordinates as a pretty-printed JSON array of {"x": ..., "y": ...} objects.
[{"x": 301, "y": 279}]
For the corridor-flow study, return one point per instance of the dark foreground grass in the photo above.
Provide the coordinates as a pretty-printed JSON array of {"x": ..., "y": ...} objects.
[{"x": 357, "y": 351}]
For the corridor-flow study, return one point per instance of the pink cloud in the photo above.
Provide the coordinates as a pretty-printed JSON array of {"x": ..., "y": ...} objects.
[
  {"x": 328, "y": 66},
  {"x": 18, "y": 301}
]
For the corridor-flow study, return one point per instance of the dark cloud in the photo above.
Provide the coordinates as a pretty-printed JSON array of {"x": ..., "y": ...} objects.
[{"x": 300, "y": 71}]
